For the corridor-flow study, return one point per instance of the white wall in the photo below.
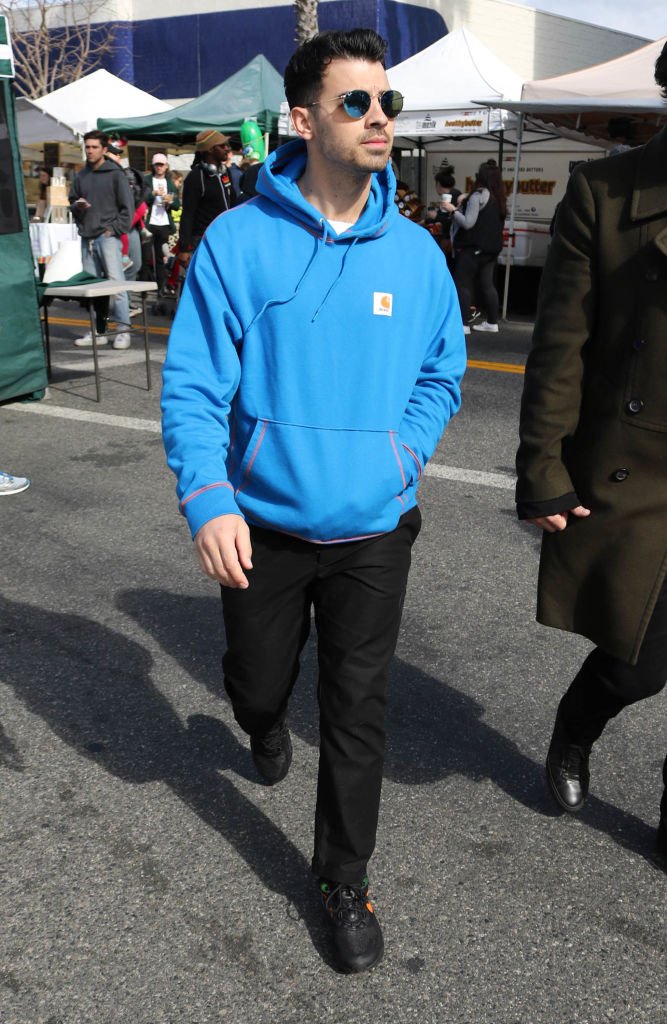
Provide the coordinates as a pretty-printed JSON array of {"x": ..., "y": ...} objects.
[{"x": 535, "y": 44}]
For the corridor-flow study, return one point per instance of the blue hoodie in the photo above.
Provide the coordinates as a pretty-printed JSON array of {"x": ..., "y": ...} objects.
[{"x": 309, "y": 376}]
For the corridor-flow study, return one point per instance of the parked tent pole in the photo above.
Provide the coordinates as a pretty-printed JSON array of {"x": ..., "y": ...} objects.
[
  {"x": 510, "y": 234},
  {"x": 501, "y": 144}
]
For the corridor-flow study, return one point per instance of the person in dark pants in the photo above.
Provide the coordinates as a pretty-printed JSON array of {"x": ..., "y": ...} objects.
[
  {"x": 315, "y": 359},
  {"x": 163, "y": 199},
  {"x": 207, "y": 191},
  {"x": 591, "y": 463},
  {"x": 477, "y": 238}
]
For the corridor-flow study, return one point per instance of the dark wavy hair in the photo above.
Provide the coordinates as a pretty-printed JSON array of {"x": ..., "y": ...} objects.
[
  {"x": 95, "y": 133},
  {"x": 445, "y": 177},
  {"x": 303, "y": 74},
  {"x": 489, "y": 176},
  {"x": 661, "y": 71}
]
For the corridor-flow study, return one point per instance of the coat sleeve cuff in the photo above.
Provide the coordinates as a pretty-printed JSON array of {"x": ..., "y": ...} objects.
[
  {"x": 207, "y": 502},
  {"x": 552, "y": 507}
]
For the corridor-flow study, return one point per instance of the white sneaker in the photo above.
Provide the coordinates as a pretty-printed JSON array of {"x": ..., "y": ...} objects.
[
  {"x": 87, "y": 340},
  {"x": 486, "y": 326},
  {"x": 466, "y": 329},
  {"x": 13, "y": 484},
  {"x": 122, "y": 341}
]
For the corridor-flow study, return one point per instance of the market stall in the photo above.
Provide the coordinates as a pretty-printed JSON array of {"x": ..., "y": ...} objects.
[
  {"x": 256, "y": 91},
  {"x": 22, "y": 362},
  {"x": 582, "y": 103}
]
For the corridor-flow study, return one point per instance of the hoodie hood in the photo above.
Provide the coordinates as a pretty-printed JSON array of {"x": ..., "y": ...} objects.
[{"x": 278, "y": 178}]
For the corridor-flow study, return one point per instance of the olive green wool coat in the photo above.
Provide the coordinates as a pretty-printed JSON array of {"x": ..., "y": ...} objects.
[{"x": 594, "y": 410}]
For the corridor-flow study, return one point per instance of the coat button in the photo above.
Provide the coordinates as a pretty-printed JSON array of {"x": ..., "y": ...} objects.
[
  {"x": 652, "y": 274},
  {"x": 634, "y": 406},
  {"x": 619, "y": 475},
  {"x": 639, "y": 344}
]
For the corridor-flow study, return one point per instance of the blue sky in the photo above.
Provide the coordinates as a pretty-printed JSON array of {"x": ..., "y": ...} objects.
[{"x": 647, "y": 18}]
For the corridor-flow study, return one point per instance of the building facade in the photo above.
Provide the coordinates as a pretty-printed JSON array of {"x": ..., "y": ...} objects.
[{"x": 178, "y": 49}]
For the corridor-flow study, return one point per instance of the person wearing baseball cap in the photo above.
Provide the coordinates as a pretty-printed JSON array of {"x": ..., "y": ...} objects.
[
  {"x": 207, "y": 190},
  {"x": 163, "y": 199}
]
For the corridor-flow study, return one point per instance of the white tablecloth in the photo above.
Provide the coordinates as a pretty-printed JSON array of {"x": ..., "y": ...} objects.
[{"x": 45, "y": 238}]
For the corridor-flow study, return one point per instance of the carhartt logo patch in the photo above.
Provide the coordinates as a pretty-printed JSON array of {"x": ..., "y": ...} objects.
[{"x": 382, "y": 303}]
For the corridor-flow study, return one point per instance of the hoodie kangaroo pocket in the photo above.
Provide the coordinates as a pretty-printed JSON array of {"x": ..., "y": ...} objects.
[{"x": 324, "y": 483}]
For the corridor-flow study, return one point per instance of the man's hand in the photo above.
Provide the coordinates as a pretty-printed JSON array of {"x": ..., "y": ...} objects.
[
  {"x": 184, "y": 258},
  {"x": 224, "y": 550},
  {"x": 555, "y": 523}
]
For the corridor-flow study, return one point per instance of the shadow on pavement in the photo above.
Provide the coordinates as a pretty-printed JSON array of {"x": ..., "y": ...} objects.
[
  {"x": 434, "y": 730},
  {"x": 92, "y": 687}
]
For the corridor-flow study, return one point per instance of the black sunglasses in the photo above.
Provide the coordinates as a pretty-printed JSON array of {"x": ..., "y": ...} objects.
[{"x": 357, "y": 102}]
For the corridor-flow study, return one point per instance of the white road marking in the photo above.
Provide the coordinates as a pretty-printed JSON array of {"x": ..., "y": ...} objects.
[
  {"x": 502, "y": 481},
  {"x": 83, "y": 415}
]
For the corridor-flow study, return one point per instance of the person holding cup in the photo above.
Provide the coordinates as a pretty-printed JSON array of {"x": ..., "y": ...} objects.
[
  {"x": 438, "y": 217},
  {"x": 160, "y": 223}
]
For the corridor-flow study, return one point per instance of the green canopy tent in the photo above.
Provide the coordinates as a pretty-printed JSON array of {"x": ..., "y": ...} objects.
[
  {"x": 255, "y": 91},
  {"x": 22, "y": 363}
]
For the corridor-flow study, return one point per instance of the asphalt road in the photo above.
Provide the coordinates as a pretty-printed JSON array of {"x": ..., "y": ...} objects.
[{"x": 145, "y": 875}]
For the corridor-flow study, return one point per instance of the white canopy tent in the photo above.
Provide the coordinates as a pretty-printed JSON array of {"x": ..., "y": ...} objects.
[
  {"x": 584, "y": 102},
  {"x": 66, "y": 114},
  {"x": 451, "y": 89},
  {"x": 625, "y": 83}
]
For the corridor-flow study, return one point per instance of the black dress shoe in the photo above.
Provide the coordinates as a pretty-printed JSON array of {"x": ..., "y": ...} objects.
[
  {"x": 357, "y": 937},
  {"x": 272, "y": 753},
  {"x": 567, "y": 770}
]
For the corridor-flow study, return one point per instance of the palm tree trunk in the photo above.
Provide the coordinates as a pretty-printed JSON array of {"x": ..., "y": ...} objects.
[{"x": 306, "y": 20}]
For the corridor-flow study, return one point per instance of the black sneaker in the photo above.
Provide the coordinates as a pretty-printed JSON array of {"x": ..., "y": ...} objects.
[
  {"x": 272, "y": 753},
  {"x": 357, "y": 937}
]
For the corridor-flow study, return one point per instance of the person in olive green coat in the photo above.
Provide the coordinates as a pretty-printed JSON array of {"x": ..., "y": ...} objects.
[{"x": 592, "y": 462}]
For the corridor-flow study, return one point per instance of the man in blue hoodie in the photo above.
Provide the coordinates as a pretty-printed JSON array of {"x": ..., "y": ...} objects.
[{"x": 314, "y": 362}]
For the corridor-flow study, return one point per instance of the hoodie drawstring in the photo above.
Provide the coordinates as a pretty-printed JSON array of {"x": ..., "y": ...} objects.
[
  {"x": 320, "y": 241},
  {"x": 340, "y": 274}
]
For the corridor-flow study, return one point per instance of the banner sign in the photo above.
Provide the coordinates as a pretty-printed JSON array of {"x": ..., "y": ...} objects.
[
  {"x": 6, "y": 57},
  {"x": 443, "y": 122}
]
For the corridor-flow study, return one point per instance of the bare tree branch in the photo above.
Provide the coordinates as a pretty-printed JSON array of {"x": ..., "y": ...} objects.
[{"x": 56, "y": 41}]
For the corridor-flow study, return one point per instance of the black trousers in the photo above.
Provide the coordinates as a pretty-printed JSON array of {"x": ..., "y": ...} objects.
[
  {"x": 356, "y": 590},
  {"x": 160, "y": 233},
  {"x": 604, "y": 685},
  {"x": 474, "y": 273}
]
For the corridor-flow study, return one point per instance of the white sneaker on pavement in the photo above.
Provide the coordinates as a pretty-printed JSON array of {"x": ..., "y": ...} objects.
[
  {"x": 122, "y": 340},
  {"x": 87, "y": 340},
  {"x": 486, "y": 326},
  {"x": 13, "y": 484}
]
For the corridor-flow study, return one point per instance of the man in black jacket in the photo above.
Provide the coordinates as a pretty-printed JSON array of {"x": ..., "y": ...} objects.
[{"x": 207, "y": 190}]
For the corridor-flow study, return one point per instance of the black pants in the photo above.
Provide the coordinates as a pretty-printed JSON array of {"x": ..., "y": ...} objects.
[
  {"x": 476, "y": 270},
  {"x": 356, "y": 590},
  {"x": 160, "y": 233},
  {"x": 604, "y": 685}
]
